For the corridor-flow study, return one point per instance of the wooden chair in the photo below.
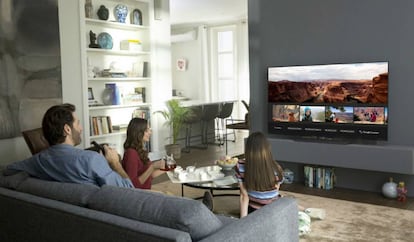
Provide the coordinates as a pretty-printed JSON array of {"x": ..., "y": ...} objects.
[{"x": 35, "y": 140}]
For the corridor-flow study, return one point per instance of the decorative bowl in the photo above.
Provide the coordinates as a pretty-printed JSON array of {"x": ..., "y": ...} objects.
[
  {"x": 227, "y": 167},
  {"x": 227, "y": 163},
  {"x": 105, "y": 41}
]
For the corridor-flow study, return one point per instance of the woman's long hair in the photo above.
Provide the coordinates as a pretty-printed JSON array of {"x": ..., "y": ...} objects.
[
  {"x": 260, "y": 168},
  {"x": 134, "y": 137}
]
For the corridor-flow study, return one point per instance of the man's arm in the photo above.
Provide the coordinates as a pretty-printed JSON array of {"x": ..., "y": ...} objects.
[{"x": 114, "y": 161}]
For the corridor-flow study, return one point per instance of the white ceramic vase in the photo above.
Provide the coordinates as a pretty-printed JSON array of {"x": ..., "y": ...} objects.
[{"x": 389, "y": 189}]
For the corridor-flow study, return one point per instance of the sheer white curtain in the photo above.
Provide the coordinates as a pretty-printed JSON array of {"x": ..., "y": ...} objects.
[{"x": 203, "y": 37}]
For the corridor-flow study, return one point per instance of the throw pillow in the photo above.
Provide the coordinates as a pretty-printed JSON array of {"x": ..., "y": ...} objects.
[
  {"x": 12, "y": 181},
  {"x": 304, "y": 223},
  {"x": 179, "y": 213},
  {"x": 76, "y": 194}
]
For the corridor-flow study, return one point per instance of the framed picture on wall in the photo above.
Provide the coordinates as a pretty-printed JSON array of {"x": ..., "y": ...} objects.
[{"x": 181, "y": 64}]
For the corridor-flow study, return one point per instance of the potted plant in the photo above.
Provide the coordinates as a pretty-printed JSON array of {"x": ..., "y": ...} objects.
[{"x": 175, "y": 116}]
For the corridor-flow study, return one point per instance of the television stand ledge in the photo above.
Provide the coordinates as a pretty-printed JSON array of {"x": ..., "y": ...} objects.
[
  {"x": 382, "y": 158},
  {"x": 349, "y": 195}
]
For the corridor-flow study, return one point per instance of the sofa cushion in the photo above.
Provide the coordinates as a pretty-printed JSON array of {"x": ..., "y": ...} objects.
[
  {"x": 179, "y": 213},
  {"x": 12, "y": 181},
  {"x": 76, "y": 194}
]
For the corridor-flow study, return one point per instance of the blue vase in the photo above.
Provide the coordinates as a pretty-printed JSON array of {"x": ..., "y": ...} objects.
[
  {"x": 112, "y": 90},
  {"x": 121, "y": 12},
  {"x": 117, "y": 96}
]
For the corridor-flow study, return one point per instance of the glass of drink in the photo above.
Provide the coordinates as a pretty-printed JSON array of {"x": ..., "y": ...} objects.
[{"x": 171, "y": 164}]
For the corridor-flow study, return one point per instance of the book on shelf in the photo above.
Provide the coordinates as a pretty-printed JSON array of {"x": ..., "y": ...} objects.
[
  {"x": 134, "y": 96},
  {"x": 141, "y": 113},
  {"x": 100, "y": 125},
  {"x": 319, "y": 177},
  {"x": 140, "y": 69},
  {"x": 105, "y": 127},
  {"x": 119, "y": 127},
  {"x": 108, "y": 118},
  {"x": 141, "y": 91}
]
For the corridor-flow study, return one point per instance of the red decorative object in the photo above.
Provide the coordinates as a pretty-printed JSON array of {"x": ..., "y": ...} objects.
[{"x": 402, "y": 192}]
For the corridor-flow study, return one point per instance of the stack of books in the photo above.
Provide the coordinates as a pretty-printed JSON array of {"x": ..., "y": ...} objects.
[
  {"x": 319, "y": 177},
  {"x": 100, "y": 125},
  {"x": 141, "y": 113}
]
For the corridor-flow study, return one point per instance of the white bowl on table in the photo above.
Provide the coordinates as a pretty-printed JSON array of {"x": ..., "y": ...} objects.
[{"x": 226, "y": 165}]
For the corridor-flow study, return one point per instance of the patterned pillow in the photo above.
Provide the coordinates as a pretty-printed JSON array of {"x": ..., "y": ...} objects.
[{"x": 304, "y": 223}]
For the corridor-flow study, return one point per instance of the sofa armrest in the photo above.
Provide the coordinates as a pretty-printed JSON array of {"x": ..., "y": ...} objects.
[{"x": 277, "y": 221}]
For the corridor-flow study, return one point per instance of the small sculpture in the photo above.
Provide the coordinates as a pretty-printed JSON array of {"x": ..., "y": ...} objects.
[
  {"x": 136, "y": 17},
  {"x": 88, "y": 9},
  {"x": 402, "y": 192},
  {"x": 103, "y": 13},
  {"x": 92, "y": 38}
]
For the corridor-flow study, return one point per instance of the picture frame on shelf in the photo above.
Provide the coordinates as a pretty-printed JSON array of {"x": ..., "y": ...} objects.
[
  {"x": 92, "y": 102},
  {"x": 91, "y": 97}
]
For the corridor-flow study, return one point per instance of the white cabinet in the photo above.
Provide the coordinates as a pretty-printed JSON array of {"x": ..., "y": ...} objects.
[{"x": 122, "y": 59}]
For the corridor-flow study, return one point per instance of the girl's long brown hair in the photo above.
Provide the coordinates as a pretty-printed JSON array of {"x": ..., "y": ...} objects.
[
  {"x": 134, "y": 137},
  {"x": 260, "y": 168}
]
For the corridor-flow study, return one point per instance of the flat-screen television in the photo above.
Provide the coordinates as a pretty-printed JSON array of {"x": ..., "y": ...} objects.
[{"x": 345, "y": 102}]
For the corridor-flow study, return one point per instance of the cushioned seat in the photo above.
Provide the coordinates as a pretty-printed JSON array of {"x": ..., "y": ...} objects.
[
  {"x": 226, "y": 109},
  {"x": 209, "y": 113},
  {"x": 194, "y": 118}
]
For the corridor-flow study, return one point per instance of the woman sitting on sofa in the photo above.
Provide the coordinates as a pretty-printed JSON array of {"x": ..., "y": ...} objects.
[{"x": 140, "y": 169}]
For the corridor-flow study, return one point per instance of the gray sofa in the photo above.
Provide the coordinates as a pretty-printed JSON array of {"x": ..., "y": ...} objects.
[{"x": 38, "y": 210}]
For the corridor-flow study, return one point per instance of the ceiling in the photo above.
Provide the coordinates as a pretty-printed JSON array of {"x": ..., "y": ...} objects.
[{"x": 185, "y": 12}]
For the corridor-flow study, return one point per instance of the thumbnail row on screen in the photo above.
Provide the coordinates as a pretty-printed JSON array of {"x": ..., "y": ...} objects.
[{"x": 331, "y": 114}]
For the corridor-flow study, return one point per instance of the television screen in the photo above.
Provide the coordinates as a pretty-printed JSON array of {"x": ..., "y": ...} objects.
[{"x": 334, "y": 101}]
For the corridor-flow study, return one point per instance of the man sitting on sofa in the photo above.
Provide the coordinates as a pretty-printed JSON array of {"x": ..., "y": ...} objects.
[{"x": 65, "y": 163}]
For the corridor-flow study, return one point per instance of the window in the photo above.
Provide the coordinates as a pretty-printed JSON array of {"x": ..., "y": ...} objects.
[{"x": 223, "y": 63}]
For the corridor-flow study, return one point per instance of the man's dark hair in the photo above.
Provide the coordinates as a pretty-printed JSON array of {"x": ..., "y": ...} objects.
[{"x": 54, "y": 121}]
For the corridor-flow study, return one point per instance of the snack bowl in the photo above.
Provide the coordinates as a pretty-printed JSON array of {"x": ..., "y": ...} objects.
[
  {"x": 227, "y": 167},
  {"x": 227, "y": 163}
]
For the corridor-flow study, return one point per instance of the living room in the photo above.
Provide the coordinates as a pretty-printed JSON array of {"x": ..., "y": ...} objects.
[
  {"x": 321, "y": 46},
  {"x": 392, "y": 47},
  {"x": 297, "y": 33}
]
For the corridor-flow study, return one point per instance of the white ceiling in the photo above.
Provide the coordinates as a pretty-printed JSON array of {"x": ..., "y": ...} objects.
[{"x": 184, "y": 12}]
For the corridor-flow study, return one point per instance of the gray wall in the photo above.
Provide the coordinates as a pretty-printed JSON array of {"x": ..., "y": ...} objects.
[{"x": 298, "y": 32}]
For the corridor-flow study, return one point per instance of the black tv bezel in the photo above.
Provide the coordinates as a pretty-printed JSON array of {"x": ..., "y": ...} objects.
[{"x": 326, "y": 131}]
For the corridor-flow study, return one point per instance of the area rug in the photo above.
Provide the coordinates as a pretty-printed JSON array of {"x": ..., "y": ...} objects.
[{"x": 345, "y": 220}]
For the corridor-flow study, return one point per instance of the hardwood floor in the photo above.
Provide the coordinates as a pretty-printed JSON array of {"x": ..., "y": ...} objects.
[{"x": 204, "y": 157}]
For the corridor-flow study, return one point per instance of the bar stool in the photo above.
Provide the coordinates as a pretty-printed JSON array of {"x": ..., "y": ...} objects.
[
  {"x": 194, "y": 118},
  {"x": 226, "y": 110},
  {"x": 208, "y": 114}
]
